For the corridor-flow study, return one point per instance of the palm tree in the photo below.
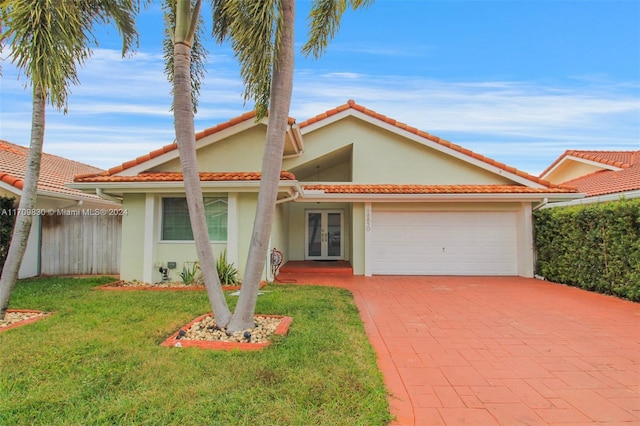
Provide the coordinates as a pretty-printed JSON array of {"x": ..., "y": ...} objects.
[
  {"x": 185, "y": 75},
  {"x": 48, "y": 40},
  {"x": 262, "y": 37}
]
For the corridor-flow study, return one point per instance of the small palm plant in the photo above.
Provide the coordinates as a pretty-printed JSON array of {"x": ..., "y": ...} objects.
[
  {"x": 227, "y": 272},
  {"x": 188, "y": 275}
]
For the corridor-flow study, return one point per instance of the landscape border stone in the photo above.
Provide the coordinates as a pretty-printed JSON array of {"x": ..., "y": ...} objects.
[
  {"x": 40, "y": 315},
  {"x": 150, "y": 287},
  {"x": 281, "y": 330}
]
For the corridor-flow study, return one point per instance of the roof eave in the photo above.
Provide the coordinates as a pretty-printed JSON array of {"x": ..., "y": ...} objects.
[
  {"x": 10, "y": 188},
  {"x": 319, "y": 196},
  {"x": 81, "y": 196},
  {"x": 119, "y": 188},
  {"x": 596, "y": 199},
  {"x": 565, "y": 158}
]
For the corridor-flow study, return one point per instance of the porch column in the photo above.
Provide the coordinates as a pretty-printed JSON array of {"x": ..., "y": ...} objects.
[
  {"x": 526, "y": 258},
  {"x": 368, "y": 214},
  {"x": 232, "y": 228},
  {"x": 149, "y": 239}
]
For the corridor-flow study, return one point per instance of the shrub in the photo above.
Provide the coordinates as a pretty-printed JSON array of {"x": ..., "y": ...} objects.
[{"x": 595, "y": 247}]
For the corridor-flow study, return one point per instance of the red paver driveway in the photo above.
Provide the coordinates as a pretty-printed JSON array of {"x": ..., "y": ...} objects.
[{"x": 499, "y": 350}]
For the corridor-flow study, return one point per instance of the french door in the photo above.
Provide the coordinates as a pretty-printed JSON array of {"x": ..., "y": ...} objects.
[{"x": 324, "y": 229}]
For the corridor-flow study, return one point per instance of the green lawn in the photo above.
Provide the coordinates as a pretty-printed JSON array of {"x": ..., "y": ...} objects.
[{"x": 97, "y": 360}]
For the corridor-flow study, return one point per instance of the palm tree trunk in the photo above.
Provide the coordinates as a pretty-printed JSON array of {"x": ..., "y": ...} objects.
[
  {"x": 280, "y": 101},
  {"x": 27, "y": 203},
  {"x": 186, "y": 139}
]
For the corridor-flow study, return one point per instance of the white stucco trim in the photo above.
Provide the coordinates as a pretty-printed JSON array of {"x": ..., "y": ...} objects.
[
  {"x": 368, "y": 246},
  {"x": 10, "y": 188},
  {"x": 524, "y": 223},
  {"x": 594, "y": 200},
  {"x": 17, "y": 193},
  {"x": 118, "y": 188},
  {"x": 232, "y": 227},
  {"x": 149, "y": 238},
  {"x": 320, "y": 196}
]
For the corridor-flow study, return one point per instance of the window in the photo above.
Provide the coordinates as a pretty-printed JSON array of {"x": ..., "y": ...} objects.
[{"x": 176, "y": 225}]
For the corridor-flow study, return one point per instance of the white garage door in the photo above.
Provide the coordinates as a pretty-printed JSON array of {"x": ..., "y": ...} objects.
[{"x": 444, "y": 243}]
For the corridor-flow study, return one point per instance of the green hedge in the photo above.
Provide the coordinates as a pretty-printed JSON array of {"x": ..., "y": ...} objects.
[
  {"x": 7, "y": 219},
  {"x": 594, "y": 247}
]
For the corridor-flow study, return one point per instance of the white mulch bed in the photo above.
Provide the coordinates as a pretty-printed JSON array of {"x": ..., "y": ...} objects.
[
  {"x": 14, "y": 317},
  {"x": 165, "y": 284},
  {"x": 207, "y": 330}
]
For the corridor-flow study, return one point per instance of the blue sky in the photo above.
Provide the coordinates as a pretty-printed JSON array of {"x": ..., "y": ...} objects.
[{"x": 517, "y": 81}]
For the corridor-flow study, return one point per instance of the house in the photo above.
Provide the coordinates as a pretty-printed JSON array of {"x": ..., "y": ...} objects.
[
  {"x": 69, "y": 233},
  {"x": 356, "y": 186},
  {"x": 600, "y": 175}
]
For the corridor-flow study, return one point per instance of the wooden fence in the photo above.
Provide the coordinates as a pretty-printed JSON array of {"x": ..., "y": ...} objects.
[{"x": 80, "y": 244}]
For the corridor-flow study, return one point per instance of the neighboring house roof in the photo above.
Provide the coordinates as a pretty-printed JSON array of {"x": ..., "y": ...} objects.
[
  {"x": 55, "y": 172},
  {"x": 610, "y": 172}
]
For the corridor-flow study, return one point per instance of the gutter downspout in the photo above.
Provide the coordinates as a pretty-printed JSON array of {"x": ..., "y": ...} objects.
[
  {"x": 108, "y": 197},
  {"x": 296, "y": 155},
  {"x": 544, "y": 202},
  {"x": 291, "y": 198},
  {"x": 297, "y": 191}
]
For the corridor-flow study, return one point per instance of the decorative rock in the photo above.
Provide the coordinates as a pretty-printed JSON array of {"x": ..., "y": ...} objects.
[
  {"x": 15, "y": 317},
  {"x": 206, "y": 329}
]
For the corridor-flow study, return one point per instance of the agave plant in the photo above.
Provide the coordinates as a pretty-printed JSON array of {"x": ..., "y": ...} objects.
[
  {"x": 188, "y": 275},
  {"x": 227, "y": 272}
]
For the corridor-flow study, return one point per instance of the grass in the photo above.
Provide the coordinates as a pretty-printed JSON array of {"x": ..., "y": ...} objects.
[{"x": 98, "y": 361}]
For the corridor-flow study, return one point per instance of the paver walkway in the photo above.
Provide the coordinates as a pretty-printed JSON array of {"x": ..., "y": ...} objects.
[{"x": 499, "y": 351}]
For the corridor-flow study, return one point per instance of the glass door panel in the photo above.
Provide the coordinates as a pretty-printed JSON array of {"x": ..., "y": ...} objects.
[
  {"x": 334, "y": 229},
  {"x": 314, "y": 234},
  {"x": 324, "y": 235}
]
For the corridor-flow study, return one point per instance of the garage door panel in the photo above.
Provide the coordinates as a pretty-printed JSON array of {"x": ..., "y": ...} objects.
[{"x": 444, "y": 243}]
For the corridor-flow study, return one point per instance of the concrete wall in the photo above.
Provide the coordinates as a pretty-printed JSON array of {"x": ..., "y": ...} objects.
[
  {"x": 131, "y": 260},
  {"x": 241, "y": 215}
]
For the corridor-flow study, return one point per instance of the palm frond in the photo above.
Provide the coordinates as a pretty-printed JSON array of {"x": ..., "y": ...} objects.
[
  {"x": 198, "y": 51},
  {"x": 48, "y": 39},
  {"x": 253, "y": 29},
  {"x": 324, "y": 22}
]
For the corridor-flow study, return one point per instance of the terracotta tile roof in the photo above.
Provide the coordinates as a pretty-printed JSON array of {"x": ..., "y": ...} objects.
[
  {"x": 173, "y": 146},
  {"x": 351, "y": 104},
  {"x": 431, "y": 189},
  {"x": 607, "y": 181},
  {"x": 55, "y": 171},
  {"x": 177, "y": 177},
  {"x": 620, "y": 159}
]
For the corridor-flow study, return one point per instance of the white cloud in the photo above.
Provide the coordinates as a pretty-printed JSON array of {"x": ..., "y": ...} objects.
[{"x": 121, "y": 110}]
